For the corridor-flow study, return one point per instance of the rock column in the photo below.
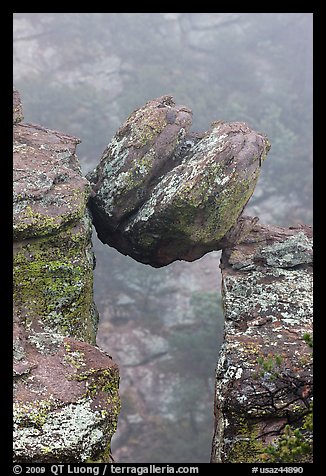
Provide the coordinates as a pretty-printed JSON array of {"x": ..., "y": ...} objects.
[
  {"x": 66, "y": 400},
  {"x": 264, "y": 382}
]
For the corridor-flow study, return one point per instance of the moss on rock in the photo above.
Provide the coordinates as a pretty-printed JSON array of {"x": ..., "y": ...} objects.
[
  {"x": 66, "y": 400},
  {"x": 161, "y": 193},
  {"x": 246, "y": 447},
  {"x": 264, "y": 379},
  {"x": 66, "y": 408},
  {"x": 53, "y": 282}
]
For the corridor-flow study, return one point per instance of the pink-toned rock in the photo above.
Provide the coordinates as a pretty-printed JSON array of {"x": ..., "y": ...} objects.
[
  {"x": 264, "y": 378},
  {"x": 49, "y": 190},
  {"x": 66, "y": 400},
  {"x": 161, "y": 193}
]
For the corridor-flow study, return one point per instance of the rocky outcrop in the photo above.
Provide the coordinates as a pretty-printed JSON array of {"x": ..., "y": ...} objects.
[
  {"x": 66, "y": 401},
  {"x": 66, "y": 398},
  {"x": 264, "y": 383},
  {"x": 161, "y": 193},
  {"x": 53, "y": 272}
]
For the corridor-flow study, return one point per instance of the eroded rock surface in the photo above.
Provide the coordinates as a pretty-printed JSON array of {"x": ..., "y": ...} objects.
[
  {"x": 53, "y": 258},
  {"x": 264, "y": 376},
  {"x": 66, "y": 400},
  {"x": 161, "y": 193}
]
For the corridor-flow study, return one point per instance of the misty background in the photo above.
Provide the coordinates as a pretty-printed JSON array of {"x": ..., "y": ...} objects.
[{"x": 83, "y": 74}]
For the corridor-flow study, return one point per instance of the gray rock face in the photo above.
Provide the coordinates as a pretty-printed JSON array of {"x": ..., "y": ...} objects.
[
  {"x": 264, "y": 380},
  {"x": 161, "y": 193}
]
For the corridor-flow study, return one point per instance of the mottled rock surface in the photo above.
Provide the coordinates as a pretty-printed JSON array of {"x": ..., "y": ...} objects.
[
  {"x": 53, "y": 258},
  {"x": 66, "y": 400},
  {"x": 264, "y": 374},
  {"x": 161, "y": 193}
]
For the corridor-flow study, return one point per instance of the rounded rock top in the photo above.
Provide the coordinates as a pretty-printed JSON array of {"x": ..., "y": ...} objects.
[{"x": 162, "y": 193}]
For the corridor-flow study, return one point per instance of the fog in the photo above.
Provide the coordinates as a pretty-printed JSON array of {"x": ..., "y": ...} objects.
[{"x": 83, "y": 74}]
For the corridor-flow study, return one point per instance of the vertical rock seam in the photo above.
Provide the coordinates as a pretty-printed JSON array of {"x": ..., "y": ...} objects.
[
  {"x": 66, "y": 400},
  {"x": 264, "y": 381}
]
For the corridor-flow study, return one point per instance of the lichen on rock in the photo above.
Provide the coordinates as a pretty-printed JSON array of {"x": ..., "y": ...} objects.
[
  {"x": 53, "y": 257},
  {"x": 161, "y": 193},
  {"x": 53, "y": 282},
  {"x": 66, "y": 407},
  {"x": 49, "y": 190},
  {"x": 66, "y": 400},
  {"x": 17, "y": 107},
  {"x": 264, "y": 378}
]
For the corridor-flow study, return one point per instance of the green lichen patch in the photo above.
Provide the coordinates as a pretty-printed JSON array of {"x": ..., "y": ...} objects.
[
  {"x": 66, "y": 409},
  {"x": 264, "y": 379},
  {"x": 35, "y": 413},
  {"x": 99, "y": 380},
  {"x": 246, "y": 446},
  {"x": 145, "y": 125},
  {"x": 49, "y": 191},
  {"x": 53, "y": 283},
  {"x": 72, "y": 433},
  {"x": 32, "y": 220},
  {"x": 75, "y": 358}
]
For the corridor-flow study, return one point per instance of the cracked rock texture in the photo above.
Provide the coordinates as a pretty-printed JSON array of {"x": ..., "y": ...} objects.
[
  {"x": 264, "y": 374},
  {"x": 66, "y": 400},
  {"x": 162, "y": 193}
]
